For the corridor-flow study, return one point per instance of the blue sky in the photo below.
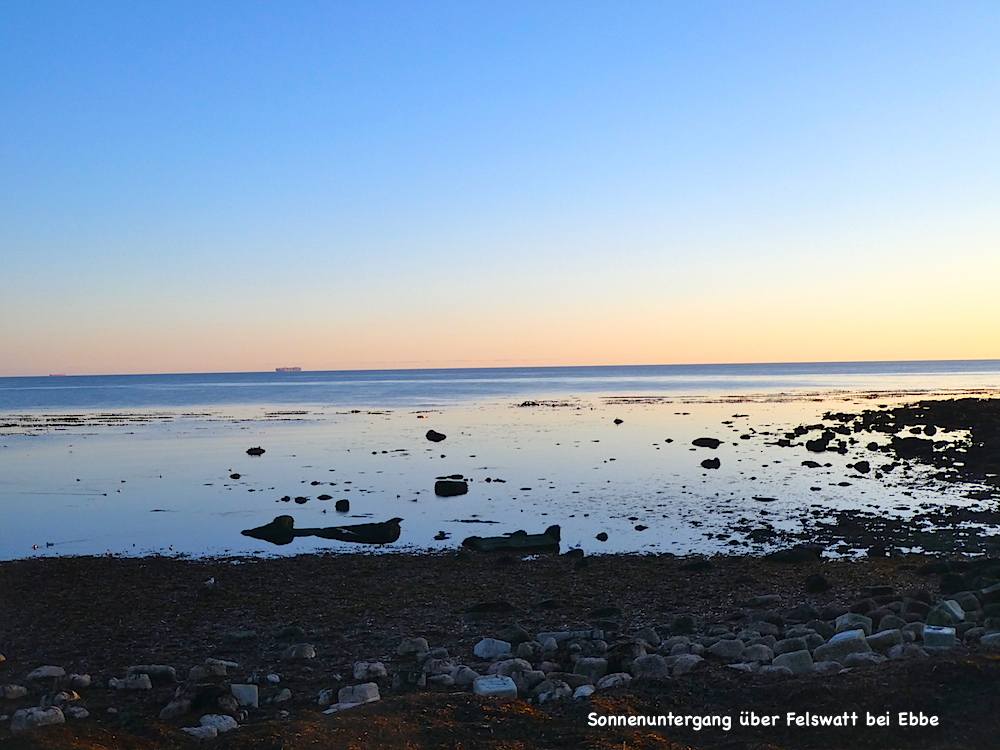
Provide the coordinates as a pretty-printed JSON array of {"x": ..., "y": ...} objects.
[{"x": 237, "y": 186}]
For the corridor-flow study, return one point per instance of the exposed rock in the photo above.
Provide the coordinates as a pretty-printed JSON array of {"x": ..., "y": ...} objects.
[
  {"x": 684, "y": 663},
  {"x": 614, "y": 680},
  {"x": 369, "y": 671},
  {"x": 31, "y": 718},
  {"x": 650, "y": 667},
  {"x": 45, "y": 673},
  {"x": 409, "y": 646},
  {"x": 299, "y": 651},
  {"x": 730, "y": 651},
  {"x": 489, "y": 648},
  {"x": 176, "y": 707},
  {"x": 550, "y": 690},
  {"x": 798, "y": 662},
  {"x": 434, "y": 436},
  {"x": 450, "y": 487},
  {"x": 593, "y": 668},
  {"x": 220, "y": 722},
  {"x": 246, "y": 695},
  {"x": 496, "y": 687},
  {"x": 706, "y": 442}
]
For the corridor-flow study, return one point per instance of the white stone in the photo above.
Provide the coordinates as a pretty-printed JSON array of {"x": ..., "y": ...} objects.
[
  {"x": 495, "y": 686},
  {"x": 584, "y": 691},
  {"x": 489, "y": 648},
  {"x": 29, "y": 718},
  {"x": 220, "y": 722},
  {"x": 938, "y": 638},
  {"x": 614, "y": 680},
  {"x": 46, "y": 672},
  {"x": 365, "y": 693},
  {"x": 369, "y": 670},
  {"x": 246, "y": 695},
  {"x": 273, "y": 679},
  {"x": 202, "y": 733}
]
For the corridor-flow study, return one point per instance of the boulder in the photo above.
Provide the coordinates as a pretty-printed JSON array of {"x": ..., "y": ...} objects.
[
  {"x": 489, "y": 648},
  {"x": 299, "y": 652},
  {"x": 614, "y": 680},
  {"x": 651, "y": 667},
  {"x": 798, "y": 662},
  {"x": 31, "y": 718},
  {"x": 46, "y": 673},
  {"x": 219, "y": 722},
  {"x": 496, "y": 687}
]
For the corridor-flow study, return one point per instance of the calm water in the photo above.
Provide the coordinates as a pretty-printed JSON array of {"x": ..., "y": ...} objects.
[
  {"x": 139, "y": 464},
  {"x": 383, "y": 388}
]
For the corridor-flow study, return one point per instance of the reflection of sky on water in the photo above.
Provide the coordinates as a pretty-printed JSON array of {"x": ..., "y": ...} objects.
[{"x": 566, "y": 465}]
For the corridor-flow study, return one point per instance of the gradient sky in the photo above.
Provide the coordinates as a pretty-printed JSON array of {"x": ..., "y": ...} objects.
[{"x": 235, "y": 186}]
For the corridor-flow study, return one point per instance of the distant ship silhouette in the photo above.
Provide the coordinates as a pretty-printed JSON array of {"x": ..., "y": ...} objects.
[{"x": 288, "y": 369}]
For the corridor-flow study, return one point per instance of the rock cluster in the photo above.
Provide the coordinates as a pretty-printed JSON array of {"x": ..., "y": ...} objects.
[{"x": 765, "y": 638}]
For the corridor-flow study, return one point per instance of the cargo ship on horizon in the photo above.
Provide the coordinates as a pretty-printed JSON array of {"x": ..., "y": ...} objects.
[{"x": 288, "y": 369}]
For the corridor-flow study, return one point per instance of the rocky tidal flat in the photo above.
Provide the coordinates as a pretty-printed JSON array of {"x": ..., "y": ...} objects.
[{"x": 442, "y": 649}]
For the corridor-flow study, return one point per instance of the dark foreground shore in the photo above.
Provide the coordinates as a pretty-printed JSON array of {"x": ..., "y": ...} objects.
[{"x": 100, "y": 616}]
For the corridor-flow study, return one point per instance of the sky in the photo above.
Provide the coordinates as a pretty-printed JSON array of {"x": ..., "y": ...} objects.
[{"x": 238, "y": 186}]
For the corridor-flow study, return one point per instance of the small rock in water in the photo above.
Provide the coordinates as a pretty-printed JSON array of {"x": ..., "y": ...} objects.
[
  {"x": 258, "y": 451},
  {"x": 434, "y": 436},
  {"x": 342, "y": 506}
]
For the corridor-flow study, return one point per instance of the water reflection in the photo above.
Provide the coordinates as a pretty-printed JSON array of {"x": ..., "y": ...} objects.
[{"x": 282, "y": 531}]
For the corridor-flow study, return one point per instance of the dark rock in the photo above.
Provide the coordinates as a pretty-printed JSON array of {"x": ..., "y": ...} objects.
[
  {"x": 602, "y": 537},
  {"x": 234, "y": 476},
  {"x": 798, "y": 553},
  {"x": 450, "y": 487},
  {"x": 711, "y": 463},
  {"x": 434, "y": 436},
  {"x": 258, "y": 451},
  {"x": 706, "y": 442},
  {"x": 343, "y": 505},
  {"x": 619, "y": 421}
]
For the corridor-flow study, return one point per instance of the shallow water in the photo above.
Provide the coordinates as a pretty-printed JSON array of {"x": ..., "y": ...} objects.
[{"x": 147, "y": 481}]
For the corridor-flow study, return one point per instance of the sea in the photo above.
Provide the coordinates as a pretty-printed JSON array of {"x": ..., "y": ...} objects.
[{"x": 158, "y": 464}]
